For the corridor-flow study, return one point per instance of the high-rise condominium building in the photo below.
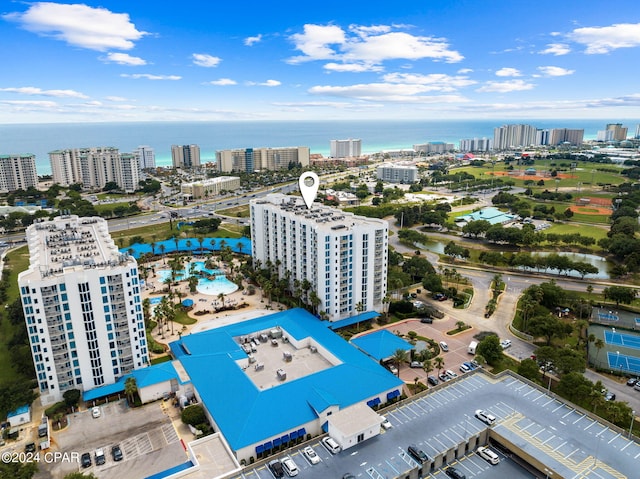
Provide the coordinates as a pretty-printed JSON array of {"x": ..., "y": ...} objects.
[
  {"x": 82, "y": 306},
  {"x": 342, "y": 256},
  {"x": 95, "y": 167},
  {"x": 210, "y": 187},
  {"x": 17, "y": 172},
  {"x": 434, "y": 147},
  {"x": 256, "y": 159},
  {"x": 185, "y": 156},
  {"x": 476, "y": 144},
  {"x": 559, "y": 136},
  {"x": 619, "y": 131},
  {"x": 346, "y": 148},
  {"x": 508, "y": 137},
  {"x": 146, "y": 157}
]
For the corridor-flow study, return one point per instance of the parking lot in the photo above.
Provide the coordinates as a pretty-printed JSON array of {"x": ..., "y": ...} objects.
[
  {"x": 146, "y": 436},
  {"x": 442, "y": 422}
]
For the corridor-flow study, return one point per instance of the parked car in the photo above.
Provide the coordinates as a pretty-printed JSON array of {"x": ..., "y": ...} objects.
[
  {"x": 415, "y": 364},
  {"x": 450, "y": 374},
  {"x": 454, "y": 473},
  {"x": 609, "y": 396},
  {"x": 505, "y": 343},
  {"x": 470, "y": 365},
  {"x": 276, "y": 468},
  {"x": 385, "y": 423},
  {"x": 632, "y": 381},
  {"x": 443, "y": 377},
  {"x": 392, "y": 368},
  {"x": 289, "y": 467},
  {"x": 116, "y": 453},
  {"x": 331, "y": 444},
  {"x": 485, "y": 417},
  {"x": 100, "y": 458},
  {"x": 637, "y": 386},
  {"x": 85, "y": 460},
  {"x": 432, "y": 380},
  {"x": 426, "y": 320},
  {"x": 31, "y": 447},
  {"x": 444, "y": 346},
  {"x": 464, "y": 368},
  {"x": 95, "y": 412},
  {"x": 417, "y": 453},
  {"x": 488, "y": 455},
  {"x": 311, "y": 455}
]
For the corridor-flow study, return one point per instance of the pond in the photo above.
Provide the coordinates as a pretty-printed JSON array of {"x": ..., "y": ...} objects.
[{"x": 598, "y": 261}]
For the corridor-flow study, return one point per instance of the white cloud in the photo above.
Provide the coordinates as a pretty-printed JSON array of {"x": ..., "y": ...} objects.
[
  {"x": 30, "y": 90},
  {"x": 391, "y": 92},
  {"x": 223, "y": 82},
  {"x": 556, "y": 49},
  {"x": 506, "y": 86},
  {"x": 270, "y": 83},
  {"x": 508, "y": 72},
  {"x": 367, "y": 45},
  {"x": 352, "y": 67},
  {"x": 204, "y": 60},
  {"x": 555, "y": 71},
  {"x": 31, "y": 103},
  {"x": 79, "y": 25},
  {"x": 432, "y": 82},
  {"x": 606, "y": 39},
  {"x": 250, "y": 41},
  {"x": 137, "y": 76},
  {"x": 115, "y": 98},
  {"x": 124, "y": 59},
  {"x": 464, "y": 71}
]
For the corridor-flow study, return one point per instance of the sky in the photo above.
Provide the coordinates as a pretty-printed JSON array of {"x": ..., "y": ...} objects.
[{"x": 112, "y": 61}]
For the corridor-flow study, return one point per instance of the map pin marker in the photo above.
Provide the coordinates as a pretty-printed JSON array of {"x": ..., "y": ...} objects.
[{"x": 309, "y": 183}]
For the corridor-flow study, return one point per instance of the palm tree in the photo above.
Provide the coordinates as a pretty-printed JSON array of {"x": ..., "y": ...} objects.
[
  {"x": 427, "y": 365},
  {"x": 399, "y": 357},
  {"x": 599, "y": 344},
  {"x": 130, "y": 389},
  {"x": 188, "y": 243},
  {"x": 163, "y": 248},
  {"x": 438, "y": 362}
]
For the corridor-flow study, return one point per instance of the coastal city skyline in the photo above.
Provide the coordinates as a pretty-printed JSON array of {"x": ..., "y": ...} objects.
[{"x": 417, "y": 61}]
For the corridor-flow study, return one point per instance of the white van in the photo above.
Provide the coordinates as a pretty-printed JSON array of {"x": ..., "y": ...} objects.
[
  {"x": 331, "y": 444},
  {"x": 289, "y": 467},
  {"x": 488, "y": 455}
]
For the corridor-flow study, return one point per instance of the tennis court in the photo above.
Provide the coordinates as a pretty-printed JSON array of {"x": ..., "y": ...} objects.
[
  {"x": 621, "y": 339},
  {"x": 607, "y": 316},
  {"x": 622, "y": 362}
]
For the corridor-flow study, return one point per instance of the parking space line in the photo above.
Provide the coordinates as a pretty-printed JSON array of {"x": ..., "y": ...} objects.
[
  {"x": 614, "y": 438},
  {"x": 570, "y": 412},
  {"x": 531, "y": 391},
  {"x": 579, "y": 419},
  {"x": 626, "y": 446},
  {"x": 443, "y": 444},
  {"x": 554, "y": 450},
  {"x": 548, "y": 439},
  {"x": 548, "y": 402},
  {"x": 400, "y": 410},
  {"x": 559, "y": 407},
  {"x": 590, "y": 425}
]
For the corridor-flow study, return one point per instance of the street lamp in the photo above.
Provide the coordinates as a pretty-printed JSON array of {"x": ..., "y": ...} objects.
[
  {"x": 548, "y": 473},
  {"x": 633, "y": 416}
]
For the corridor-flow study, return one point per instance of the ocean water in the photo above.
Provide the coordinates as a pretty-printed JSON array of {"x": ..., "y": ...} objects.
[{"x": 376, "y": 135}]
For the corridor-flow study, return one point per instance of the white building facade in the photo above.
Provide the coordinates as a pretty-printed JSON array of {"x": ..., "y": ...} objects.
[
  {"x": 82, "y": 306},
  {"x": 342, "y": 256},
  {"x": 508, "y": 137},
  {"x": 476, "y": 144},
  {"x": 434, "y": 147},
  {"x": 209, "y": 187},
  {"x": 95, "y": 167},
  {"x": 346, "y": 148},
  {"x": 17, "y": 172},
  {"x": 256, "y": 159},
  {"x": 397, "y": 173},
  {"x": 146, "y": 157}
]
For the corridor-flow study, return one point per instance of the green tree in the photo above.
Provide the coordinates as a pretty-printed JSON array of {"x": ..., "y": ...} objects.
[
  {"x": 489, "y": 348},
  {"x": 193, "y": 415},
  {"x": 528, "y": 368},
  {"x": 399, "y": 356},
  {"x": 80, "y": 475},
  {"x": 569, "y": 360},
  {"x": 438, "y": 363},
  {"x": 18, "y": 470},
  {"x": 14, "y": 394},
  {"x": 574, "y": 386},
  {"x": 130, "y": 389},
  {"x": 71, "y": 397},
  {"x": 549, "y": 326},
  {"x": 620, "y": 294}
]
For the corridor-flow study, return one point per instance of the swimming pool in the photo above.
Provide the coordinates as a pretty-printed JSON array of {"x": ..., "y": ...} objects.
[
  {"x": 213, "y": 287},
  {"x": 155, "y": 300}
]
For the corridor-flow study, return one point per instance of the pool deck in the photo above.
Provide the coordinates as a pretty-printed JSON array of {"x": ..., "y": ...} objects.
[{"x": 256, "y": 306}]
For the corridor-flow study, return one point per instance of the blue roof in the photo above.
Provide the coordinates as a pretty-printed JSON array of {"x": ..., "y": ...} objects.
[
  {"x": 492, "y": 215},
  {"x": 169, "y": 472},
  {"x": 254, "y": 414},
  {"x": 381, "y": 344},
  {"x": 343, "y": 323},
  {"x": 20, "y": 410},
  {"x": 144, "y": 377}
]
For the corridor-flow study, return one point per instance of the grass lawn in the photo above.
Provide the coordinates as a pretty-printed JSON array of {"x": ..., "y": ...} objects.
[
  {"x": 237, "y": 211},
  {"x": 569, "y": 228},
  {"x": 110, "y": 206}
]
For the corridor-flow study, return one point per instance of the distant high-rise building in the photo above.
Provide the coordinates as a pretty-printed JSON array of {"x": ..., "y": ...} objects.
[
  {"x": 619, "y": 131},
  {"x": 342, "y": 256},
  {"x": 558, "y": 136},
  {"x": 95, "y": 167},
  {"x": 82, "y": 307},
  {"x": 346, "y": 148},
  {"x": 638, "y": 130},
  {"x": 509, "y": 137},
  {"x": 17, "y": 172},
  {"x": 434, "y": 147},
  {"x": 255, "y": 159},
  {"x": 185, "y": 156},
  {"x": 476, "y": 144},
  {"x": 146, "y": 157}
]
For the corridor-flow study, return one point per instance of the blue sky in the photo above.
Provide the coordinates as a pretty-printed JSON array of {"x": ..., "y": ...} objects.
[{"x": 282, "y": 60}]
